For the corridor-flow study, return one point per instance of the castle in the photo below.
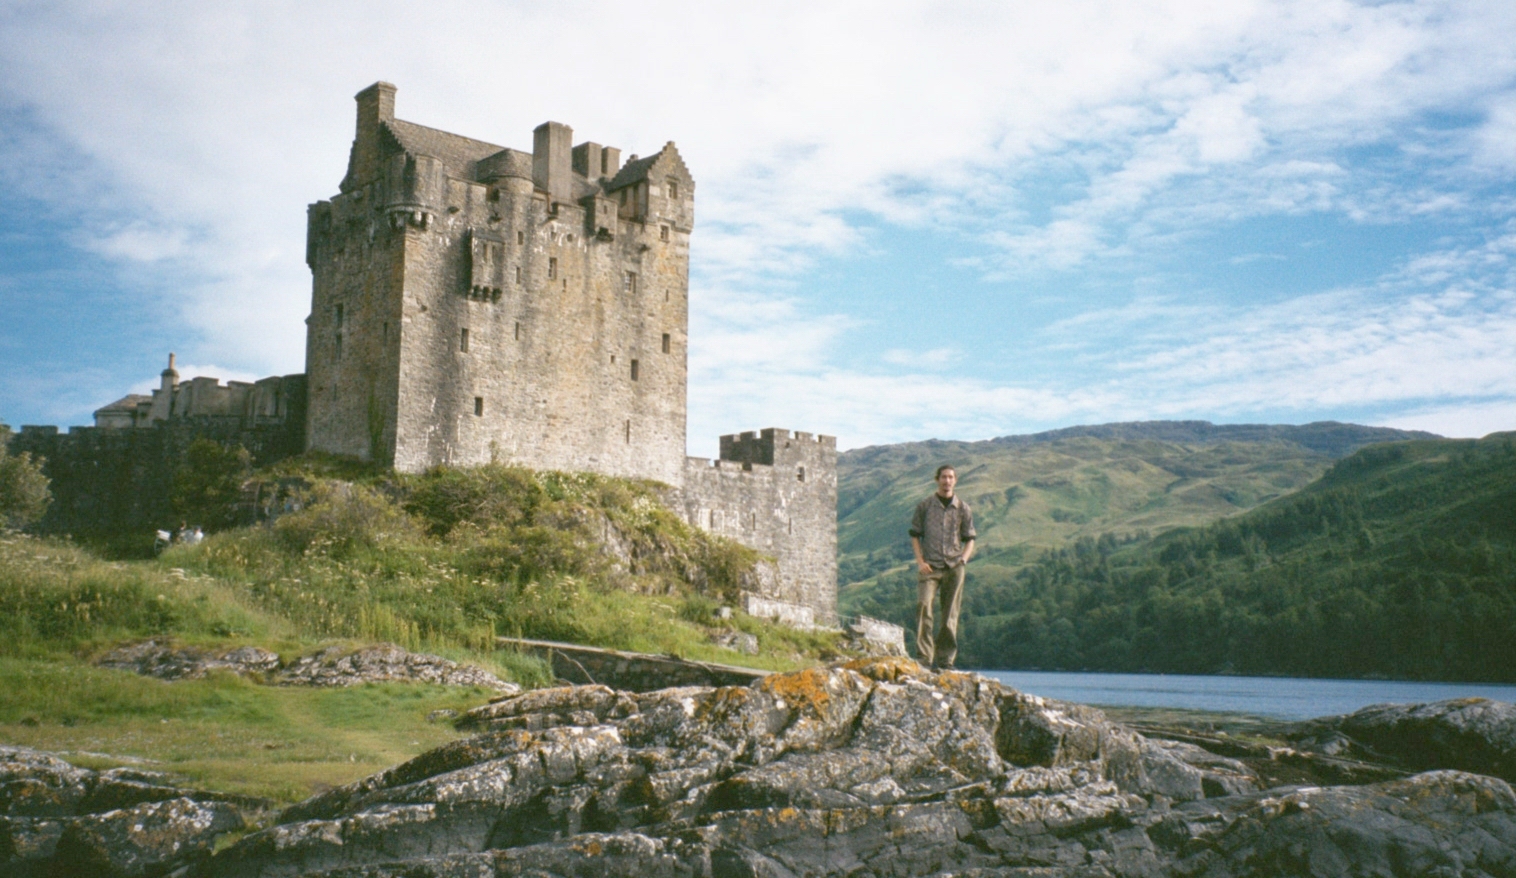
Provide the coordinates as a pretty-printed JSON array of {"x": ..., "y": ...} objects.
[{"x": 473, "y": 303}]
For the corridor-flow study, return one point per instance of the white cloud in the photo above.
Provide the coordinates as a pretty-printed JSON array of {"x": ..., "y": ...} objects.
[{"x": 202, "y": 131}]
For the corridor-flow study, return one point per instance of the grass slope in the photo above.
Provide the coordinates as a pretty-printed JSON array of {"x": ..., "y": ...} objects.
[
  {"x": 1045, "y": 491},
  {"x": 1399, "y": 562},
  {"x": 441, "y": 563}
]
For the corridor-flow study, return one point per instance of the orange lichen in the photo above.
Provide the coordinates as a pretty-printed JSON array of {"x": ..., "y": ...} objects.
[
  {"x": 885, "y": 669},
  {"x": 800, "y": 689}
]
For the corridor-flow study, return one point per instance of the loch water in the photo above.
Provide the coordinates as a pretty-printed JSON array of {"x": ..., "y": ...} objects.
[{"x": 1288, "y": 698}]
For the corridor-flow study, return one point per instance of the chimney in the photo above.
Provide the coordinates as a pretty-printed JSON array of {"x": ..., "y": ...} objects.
[
  {"x": 587, "y": 160},
  {"x": 376, "y": 104},
  {"x": 552, "y": 161},
  {"x": 610, "y": 161}
]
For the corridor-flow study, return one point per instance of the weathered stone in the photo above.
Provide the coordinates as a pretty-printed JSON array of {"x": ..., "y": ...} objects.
[
  {"x": 27, "y": 844},
  {"x": 1472, "y": 734},
  {"x": 143, "y": 840},
  {"x": 37, "y": 784},
  {"x": 736, "y": 641},
  {"x": 167, "y": 662},
  {"x": 878, "y": 768},
  {"x": 385, "y": 662}
]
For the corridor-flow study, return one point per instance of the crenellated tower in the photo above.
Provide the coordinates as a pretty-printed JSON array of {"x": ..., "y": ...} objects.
[{"x": 473, "y": 303}]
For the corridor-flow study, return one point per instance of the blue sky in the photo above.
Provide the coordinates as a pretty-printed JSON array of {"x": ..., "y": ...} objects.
[{"x": 914, "y": 220}]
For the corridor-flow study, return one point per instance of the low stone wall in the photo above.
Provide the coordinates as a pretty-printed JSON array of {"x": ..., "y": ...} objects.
[{"x": 629, "y": 671}]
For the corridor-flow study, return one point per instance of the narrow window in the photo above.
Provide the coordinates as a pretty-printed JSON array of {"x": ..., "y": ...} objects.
[
  {"x": 754, "y": 524},
  {"x": 800, "y": 473},
  {"x": 629, "y": 432},
  {"x": 518, "y": 329},
  {"x": 339, "y": 316},
  {"x": 663, "y": 233},
  {"x": 386, "y": 332},
  {"x": 463, "y": 342},
  {"x": 665, "y": 342},
  {"x": 673, "y": 189},
  {"x": 339, "y": 345},
  {"x": 518, "y": 275},
  {"x": 552, "y": 267},
  {"x": 629, "y": 283},
  {"x": 613, "y": 359},
  {"x": 569, "y": 239},
  {"x": 478, "y": 406},
  {"x": 634, "y": 370},
  {"x": 521, "y": 237}
]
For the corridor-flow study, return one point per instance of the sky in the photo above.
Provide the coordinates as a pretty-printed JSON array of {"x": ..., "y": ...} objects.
[{"x": 913, "y": 220}]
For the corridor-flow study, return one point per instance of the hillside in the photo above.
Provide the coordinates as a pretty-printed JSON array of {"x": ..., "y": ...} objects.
[
  {"x": 1044, "y": 491},
  {"x": 440, "y": 563},
  {"x": 1400, "y": 561}
]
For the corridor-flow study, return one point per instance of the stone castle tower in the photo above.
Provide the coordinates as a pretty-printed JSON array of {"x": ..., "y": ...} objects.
[{"x": 473, "y": 303}]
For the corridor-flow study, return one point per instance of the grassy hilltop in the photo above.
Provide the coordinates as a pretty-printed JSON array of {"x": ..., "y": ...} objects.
[
  {"x": 440, "y": 563},
  {"x": 1399, "y": 561},
  {"x": 1045, "y": 491}
]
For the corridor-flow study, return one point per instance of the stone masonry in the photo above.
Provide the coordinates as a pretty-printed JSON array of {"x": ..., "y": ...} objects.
[
  {"x": 471, "y": 304},
  {"x": 474, "y": 303}
]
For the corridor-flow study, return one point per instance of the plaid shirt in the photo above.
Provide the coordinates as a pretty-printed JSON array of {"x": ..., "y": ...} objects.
[{"x": 942, "y": 530}]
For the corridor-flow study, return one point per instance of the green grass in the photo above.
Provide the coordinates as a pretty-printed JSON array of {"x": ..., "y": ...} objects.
[
  {"x": 223, "y": 732},
  {"x": 444, "y": 563}
]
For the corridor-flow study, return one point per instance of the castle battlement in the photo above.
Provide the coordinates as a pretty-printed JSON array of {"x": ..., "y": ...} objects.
[{"x": 473, "y": 303}]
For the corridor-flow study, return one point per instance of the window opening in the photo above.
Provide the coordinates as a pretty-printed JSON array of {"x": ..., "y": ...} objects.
[
  {"x": 628, "y": 432},
  {"x": 463, "y": 342},
  {"x": 552, "y": 267},
  {"x": 673, "y": 189},
  {"x": 339, "y": 344},
  {"x": 663, "y": 233},
  {"x": 518, "y": 329},
  {"x": 518, "y": 275},
  {"x": 799, "y": 473},
  {"x": 339, "y": 316},
  {"x": 385, "y": 333},
  {"x": 521, "y": 237},
  {"x": 478, "y": 406},
  {"x": 629, "y": 283},
  {"x": 634, "y": 370},
  {"x": 665, "y": 342}
]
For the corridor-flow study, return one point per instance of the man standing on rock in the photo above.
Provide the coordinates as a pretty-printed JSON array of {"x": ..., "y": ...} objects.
[{"x": 942, "y": 536}]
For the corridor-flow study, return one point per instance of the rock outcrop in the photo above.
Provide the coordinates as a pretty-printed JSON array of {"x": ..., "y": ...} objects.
[
  {"x": 58, "y": 819},
  {"x": 872, "y": 768},
  {"x": 334, "y": 666},
  {"x": 1472, "y": 734}
]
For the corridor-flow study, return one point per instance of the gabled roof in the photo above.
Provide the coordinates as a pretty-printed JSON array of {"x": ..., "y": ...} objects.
[
  {"x": 126, "y": 403},
  {"x": 459, "y": 153},
  {"x": 636, "y": 171}
]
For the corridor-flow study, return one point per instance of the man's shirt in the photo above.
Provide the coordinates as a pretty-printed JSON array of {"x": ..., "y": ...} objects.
[{"x": 943, "y": 529}]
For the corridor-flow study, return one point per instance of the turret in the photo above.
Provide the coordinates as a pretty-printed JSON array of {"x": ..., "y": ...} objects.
[{"x": 163, "y": 397}]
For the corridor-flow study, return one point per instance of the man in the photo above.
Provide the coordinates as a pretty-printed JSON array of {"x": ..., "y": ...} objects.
[{"x": 942, "y": 536}]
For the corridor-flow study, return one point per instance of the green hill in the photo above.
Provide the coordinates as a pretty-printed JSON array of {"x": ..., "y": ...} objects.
[
  {"x": 1044, "y": 491},
  {"x": 440, "y": 563},
  {"x": 1400, "y": 561}
]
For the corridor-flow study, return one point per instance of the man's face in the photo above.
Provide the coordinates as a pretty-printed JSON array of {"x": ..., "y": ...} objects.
[{"x": 945, "y": 482}]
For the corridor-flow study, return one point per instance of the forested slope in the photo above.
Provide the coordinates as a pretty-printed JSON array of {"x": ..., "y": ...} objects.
[{"x": 1400, "y": 561}]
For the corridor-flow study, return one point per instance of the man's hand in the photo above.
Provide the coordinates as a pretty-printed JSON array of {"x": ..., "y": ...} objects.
[{"x": 923, "y": 568}]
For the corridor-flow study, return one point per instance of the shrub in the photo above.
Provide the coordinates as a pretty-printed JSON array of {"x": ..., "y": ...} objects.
[
  {"x": 206, "y": 489},
  {"x": 340, "y": 519},
  {"x": 24, "y": 494}
]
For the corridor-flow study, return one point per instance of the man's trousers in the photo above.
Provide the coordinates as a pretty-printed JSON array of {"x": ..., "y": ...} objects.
[{"x": 938, "y": 647}]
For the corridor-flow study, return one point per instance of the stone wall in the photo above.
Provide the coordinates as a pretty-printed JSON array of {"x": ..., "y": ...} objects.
[
  {"x": 473, "y": 303},
  {"x": 775, "y": 492},
  {"x": 117, "y": 481}
]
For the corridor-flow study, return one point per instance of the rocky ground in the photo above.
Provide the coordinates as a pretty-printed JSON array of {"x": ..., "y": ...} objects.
[
  {"x": 873, "y": 768},
  {"x": 334, "y": 666}
]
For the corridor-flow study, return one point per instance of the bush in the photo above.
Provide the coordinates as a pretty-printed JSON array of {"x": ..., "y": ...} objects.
[
  {"x": 340, "y": 519},
  {"x": 24, "y": 494},
  {"x": 206, "y": 489}
]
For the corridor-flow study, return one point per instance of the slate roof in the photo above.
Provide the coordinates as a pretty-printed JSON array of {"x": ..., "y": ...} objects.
[
  {"x": 636, "y": 171},
  {"x": 126, "y": 403},
  {"x": 459, "y": 153}
]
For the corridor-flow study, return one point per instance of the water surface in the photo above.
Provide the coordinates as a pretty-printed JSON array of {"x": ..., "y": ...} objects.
[{"x": 1277, "y": 697}]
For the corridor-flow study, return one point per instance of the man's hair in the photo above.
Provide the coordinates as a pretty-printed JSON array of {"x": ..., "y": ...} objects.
[{"x": 941, "y": 469}]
